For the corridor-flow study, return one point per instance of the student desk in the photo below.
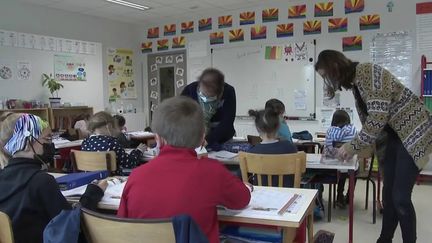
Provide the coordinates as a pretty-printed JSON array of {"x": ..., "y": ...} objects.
[
  {"x": 289, "y": 222},
  {"x": 69, "y": 144},
  {"x": 142, "y": 137},
  {"x": 313, "y": 161}
]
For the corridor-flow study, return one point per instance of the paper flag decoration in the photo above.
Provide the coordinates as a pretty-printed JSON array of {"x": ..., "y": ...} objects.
[
  {"x": 284, "y": 30},
  {"x": 247, "y": 18},
  {"x": 312, "y": 27},
  {"x": 236, "y": 35},
  {"x": 354, "y": 6},
  {"x": 162, "y": 44},
  {"x": 146, "y": 47},
  {"x": 169, "y": 29},
  {"x": 187, "y": 27},
  {"x": 338, "y": 25},
  {"x": 153, "y": 33},
  {"x": 370, "y": 22},
  {"x": 216, "y": 38},
  {"x": 273, "y": 52},
  {"x": 270, "y": 15},
  {"x": 258, "y": 32},
  {"x": 297, "y": 12},
  {"x": 352, "y": 43},
  {"x": 323, "y": 9},
  {"x": 205, "y": 24},
  {"x": 178, "y": 42},
  {"x": 225, "y": 21}
]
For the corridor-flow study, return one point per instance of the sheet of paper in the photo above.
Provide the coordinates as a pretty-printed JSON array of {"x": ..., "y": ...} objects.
[
  {"x": 10, "y": 38},
  {"x": 300, "y": 99},
  {"x": 201, "y": 150},
  {"x": 23, "y": 70},
  {"x": 424, "y": 27},
  {"x": 198, "y": 48},
  {"x": 78, "y": 191},
  {"x": 326, "y": 117},
  {"x": 222, "y": 155},
  {"x": 140, "y": 134}
]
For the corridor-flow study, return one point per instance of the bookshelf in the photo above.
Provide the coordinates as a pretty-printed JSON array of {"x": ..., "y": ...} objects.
[
  {"x": 426, "y": 82},
  {"x": 41, "y": 112},
  {"x": 62, "y": 118}
]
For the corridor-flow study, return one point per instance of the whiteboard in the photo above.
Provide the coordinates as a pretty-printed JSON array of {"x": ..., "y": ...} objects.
[{"x": 257, "y": 80}]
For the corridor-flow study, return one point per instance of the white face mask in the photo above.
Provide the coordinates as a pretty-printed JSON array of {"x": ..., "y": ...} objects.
[{"x": 206, "y": 99}]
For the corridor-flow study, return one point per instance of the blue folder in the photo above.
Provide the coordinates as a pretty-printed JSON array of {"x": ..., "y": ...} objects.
[{"x": 74, "y": 180}]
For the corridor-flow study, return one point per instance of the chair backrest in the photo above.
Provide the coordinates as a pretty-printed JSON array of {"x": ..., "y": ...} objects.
[
  {"x": 93, "y": 161},
  {"x": 273, "y": 165},
  {"x": 6, "y": 233},
  {"x": 254, "y": 140},
  {"x": 101, "y": 228},
  {"x": 310, "y": 147}
]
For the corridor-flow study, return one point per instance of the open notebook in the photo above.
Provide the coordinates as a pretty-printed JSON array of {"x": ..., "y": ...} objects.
[{"x": 112, "y": 193}]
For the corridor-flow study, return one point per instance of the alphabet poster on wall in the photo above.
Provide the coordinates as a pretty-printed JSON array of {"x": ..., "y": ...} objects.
[
  {"x": 70, "y": 68},
  {"x": 121, "y": 83}
]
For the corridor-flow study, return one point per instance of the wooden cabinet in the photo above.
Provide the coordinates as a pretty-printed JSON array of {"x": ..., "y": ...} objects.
[
  {"x": 58, "y": 118},
  {"x": 41, "y": 112},
  {"x": 62, "y": 118}
]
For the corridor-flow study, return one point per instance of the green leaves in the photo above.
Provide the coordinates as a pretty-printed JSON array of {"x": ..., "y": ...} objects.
[{"x": 51, "y": 84}]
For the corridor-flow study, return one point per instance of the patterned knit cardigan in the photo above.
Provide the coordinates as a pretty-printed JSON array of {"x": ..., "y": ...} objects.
[{"x": 390, "y": 102}]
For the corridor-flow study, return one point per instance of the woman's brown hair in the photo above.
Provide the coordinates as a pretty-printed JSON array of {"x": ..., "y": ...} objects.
[
  {"x": 266, "y": 121},
  {"x": 339, "y": 71},
  {"x": 99, "y": 120}
]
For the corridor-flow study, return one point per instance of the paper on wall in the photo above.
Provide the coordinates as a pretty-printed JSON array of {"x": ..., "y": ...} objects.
[
  {"x": 424, "y": 26},
  {"x": 326, "y": 117},
  {"x": 300, "y": 99},
  {"x": 6, "y": 70},
  {"x": 9, "y": 38},
  {"x": 23, "y": 70},
  {"x": 197, "y": 48}
]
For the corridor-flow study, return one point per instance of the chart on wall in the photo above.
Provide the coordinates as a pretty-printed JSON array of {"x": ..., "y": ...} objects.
[
  {"x": 70, "y": 68},
  {"x": 120, "y": 71}
]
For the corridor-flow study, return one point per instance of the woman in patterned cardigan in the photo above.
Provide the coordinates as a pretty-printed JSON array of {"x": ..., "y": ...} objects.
[{"x": 394, "y": 120}]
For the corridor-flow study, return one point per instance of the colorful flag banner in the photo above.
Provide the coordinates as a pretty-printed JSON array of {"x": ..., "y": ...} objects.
[
  {"x": 297, "y": 12},
  {"x": 270, "y": 15},
  {"x": 352, "y": 43},
  {"x": 247, "y": 18},
  {"x": 285, "y": 30},
  {"x": 337, "y": 25}
]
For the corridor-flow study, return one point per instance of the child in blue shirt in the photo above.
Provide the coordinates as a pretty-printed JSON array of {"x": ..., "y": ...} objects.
[
  {"x": 341, "y": 131},
  {"x": 277, "y": 106}
]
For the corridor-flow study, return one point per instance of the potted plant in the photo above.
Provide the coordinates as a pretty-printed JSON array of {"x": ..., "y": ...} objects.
[{"x": 54, "y": 86}]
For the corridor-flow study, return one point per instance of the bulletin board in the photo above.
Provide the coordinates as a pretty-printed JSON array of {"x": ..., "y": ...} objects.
[{"x": 259, "y": 73}]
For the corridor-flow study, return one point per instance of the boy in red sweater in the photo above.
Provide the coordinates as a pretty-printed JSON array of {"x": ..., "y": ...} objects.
[{"x": 176, "y": 181}]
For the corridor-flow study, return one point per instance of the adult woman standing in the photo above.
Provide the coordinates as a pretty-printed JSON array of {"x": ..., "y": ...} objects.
[
  {"x": 396, "y": 121},
  {"x": 218, "y": 101}
]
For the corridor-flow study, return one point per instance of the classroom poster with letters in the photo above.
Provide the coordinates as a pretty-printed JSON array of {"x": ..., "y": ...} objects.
[
  {"x": 120, "y": 71},
  {"x": 70, "y": 68}
]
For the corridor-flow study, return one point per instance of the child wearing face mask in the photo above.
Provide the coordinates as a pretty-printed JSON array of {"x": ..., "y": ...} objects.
[
  {"x": 104, "y": 131},
  {"x": 30, "y": 196}
]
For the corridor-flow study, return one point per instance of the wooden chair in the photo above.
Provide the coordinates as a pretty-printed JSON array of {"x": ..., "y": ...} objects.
[
  {"x": 6, "y": 232},
  {"x": 273, "y": 165},
  {"x": 254, "y": 140},
  {"x": 276, "y": 165},
  {"x": 93, "y": 161},
  {"x": 310, "y": 147},
  {"x": 101, "y": 228}
]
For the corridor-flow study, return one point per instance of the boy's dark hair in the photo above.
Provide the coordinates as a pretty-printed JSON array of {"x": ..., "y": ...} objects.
[
  {"x": 121, "y": 121},
  {"x": 275, "y": 105},
  {"x": 180, "y": 121},
  {"x": 266, "y": 121},
  {"x": 215, "y": 83},
  {"x": 114, "y": 90},
  {"x": 340, "y": 119}
]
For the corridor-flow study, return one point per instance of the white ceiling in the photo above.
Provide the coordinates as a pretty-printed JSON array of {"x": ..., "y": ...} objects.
[{"x": 162, "y": 11}]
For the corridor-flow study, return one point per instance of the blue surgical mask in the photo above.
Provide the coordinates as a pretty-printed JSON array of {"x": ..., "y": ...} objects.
[{"x": 206, "y": 99}]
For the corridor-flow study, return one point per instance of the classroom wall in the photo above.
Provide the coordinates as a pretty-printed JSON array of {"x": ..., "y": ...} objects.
[
  {"x": 28, "y": 18},
  {"x": 401, "y": 19}
]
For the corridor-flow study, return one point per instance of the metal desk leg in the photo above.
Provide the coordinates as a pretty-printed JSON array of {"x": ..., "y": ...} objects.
[{"x": 351, "y": 204}]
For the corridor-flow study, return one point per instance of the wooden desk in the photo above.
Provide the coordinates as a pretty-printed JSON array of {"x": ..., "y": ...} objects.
[
  {"x": 313, "y": 161},
  {"x": 142, "y": 137},
  {"x": 289, "y": 222}
]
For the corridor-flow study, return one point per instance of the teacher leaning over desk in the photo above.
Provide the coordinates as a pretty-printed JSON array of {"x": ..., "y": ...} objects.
[
  {"x": 218, "y": 102},
  {"x": 396, "y": 122}
]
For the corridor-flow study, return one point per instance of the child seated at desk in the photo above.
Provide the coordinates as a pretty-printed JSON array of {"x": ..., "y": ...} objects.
[
  {"x": 123, "y": 138},
  {"x": 267, "y": 123},
  {"x": 341, "y": 131},
  {"x": 29, "y": 195},
  {"x": 283, "y": 133},
  {"x": 104, "y": 138},
  {"x": 81, "y": 125},
  {"x": 176, "y": 181}
]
